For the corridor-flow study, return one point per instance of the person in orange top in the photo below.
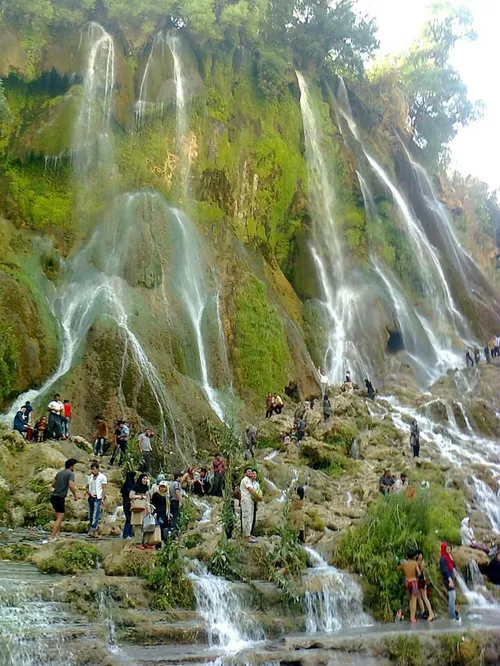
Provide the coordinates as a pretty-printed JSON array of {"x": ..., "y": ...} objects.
[{"x": 67, "y": 415}]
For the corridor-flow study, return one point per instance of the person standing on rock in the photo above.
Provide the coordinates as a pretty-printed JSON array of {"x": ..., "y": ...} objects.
[
  {"x": 139, "y": 505},
  {"x": 327, "y": 407},
  {"x": 469, "y": 361},
  {"x": 64, "y": 482},
  {"x": 257, "y": 488},
  {"x": 96, "y": 490},
  {"x": 415, "y": 438},
  {"x": 269, "y": 405},
  {"x": 487, "y": 354},
  {"x": 369, "y": 389},
  {"x": 301, "y": 429},
  {"x": 56, "y": 409},
  {"x": 219, "y": 467},
  {"x": 175, "y": 497},
  {"x": 411, "y": 573},
  {"x": 250, "y": 441},
  {"x": 447, "y": 567},
  {"x": 127, "y": 487},
  {"x": 28, "y": 410},
  {"x": 145, "y": 449},
  {"x": 323, "y": 378},
  {"x": 66, "y": 418},
  {"x": 248, "y": 495},
  {"x": 100, "y": 437},
  {"x": 423, "y": 599}
]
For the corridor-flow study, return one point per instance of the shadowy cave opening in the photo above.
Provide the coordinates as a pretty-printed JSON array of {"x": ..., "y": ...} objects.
[{"x": 395, "y": 343}]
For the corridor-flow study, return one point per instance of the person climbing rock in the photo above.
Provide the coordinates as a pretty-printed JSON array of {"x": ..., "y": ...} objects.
[
  {"x": 56, "y": 409},
  {"x": 369, "y": 389},
  {"x": 415, "y": 438},
  {"x": 64, "y": 482},
  {"x": 411, "y": 572},
  {"x": 96, "y": 491},
  {"x": 219, "y": 467},
  {"x": 327, "y": 407},
  {"x": 100, "y": 436},
  {"x": 447, "y": 567},
  {"x": 248, "y": 495},
  {"x": 423, "y": 600},
  {"x": 66, "y": 417},
  {"x": 269, "y": 405},
  {"x": 250, "y": 441},
  {"x": 175, "y": 498},
  {"x": 125, "y": 490},
  {"x": 145, "y": 449}
]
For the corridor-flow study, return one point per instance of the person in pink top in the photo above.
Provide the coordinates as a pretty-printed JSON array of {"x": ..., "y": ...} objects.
[{"x": 219, "y": 467}]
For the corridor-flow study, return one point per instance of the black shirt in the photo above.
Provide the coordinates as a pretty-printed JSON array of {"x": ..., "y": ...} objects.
[{"x": 159, "y": 502}]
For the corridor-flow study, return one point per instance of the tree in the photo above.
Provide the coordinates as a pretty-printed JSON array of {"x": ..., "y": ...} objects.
[{"x": 437, "y": 96}]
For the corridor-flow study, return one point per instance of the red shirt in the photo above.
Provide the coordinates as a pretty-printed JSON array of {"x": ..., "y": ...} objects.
[
  {"x": 67, "y": 410},
  {"x": 219, "y": 466}
]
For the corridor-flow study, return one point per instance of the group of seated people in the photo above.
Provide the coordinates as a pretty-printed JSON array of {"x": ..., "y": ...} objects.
[
  {"x": 23, "y": 424},
  {"x": 197, "y": 482},
  {"x": 390, "y": 484}
]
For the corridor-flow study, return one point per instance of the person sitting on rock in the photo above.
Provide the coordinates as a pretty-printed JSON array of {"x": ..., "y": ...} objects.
[
  {"x": 400, "y": 484},
  {"x": 386, "y": 483},
  {"x": 468, "y": 538},
  {"x": 277, "y": 404},
  {"x": 327, "y": 407},
  {"x": 201, "y": 484},
  {"x": 269, "y": 405},
  {"x": 187, "y": 480},
  {"x": 20, "y": 425},
  {"x": 219, "y": 467}
]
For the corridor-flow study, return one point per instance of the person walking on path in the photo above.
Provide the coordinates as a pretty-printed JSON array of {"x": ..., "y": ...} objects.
[
  {"x": 128, "y": 485},
  {"x": 96, "y": 490},
  {"x": 66, "y": 418},
  {"x": 175, "y": 497},
  {"x": 447, "y": 567},
  {"x": 145, "y": 449},
  {"x": 64, "y": 482},
  {"x": 219, "y": 467},
  {"x": 101, "y": 435},
  {"x": 248, "y": 495},
  {"x": 423, "y": 599},
  {"x": 56, "y": 409},
  {"x": 415, "y": 438},
  {"x": 411, "y": 572},
  {"x": 122, "y": 442}
]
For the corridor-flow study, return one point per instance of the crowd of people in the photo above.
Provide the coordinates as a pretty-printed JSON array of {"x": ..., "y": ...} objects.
[
  {"x": 54, "y": 426},
  {"x": 491, "y": 350}
]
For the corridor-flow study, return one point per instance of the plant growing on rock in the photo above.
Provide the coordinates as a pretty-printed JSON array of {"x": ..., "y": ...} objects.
[
  {"x": 168, "y": 580},
  {"x": 405, "y": 651},
  {"x": 394, "y": 525},
  {"x": 71, "y": 558}
]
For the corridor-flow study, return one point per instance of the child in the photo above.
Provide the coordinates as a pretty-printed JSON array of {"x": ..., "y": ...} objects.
[{"x": 41, "y": 427}]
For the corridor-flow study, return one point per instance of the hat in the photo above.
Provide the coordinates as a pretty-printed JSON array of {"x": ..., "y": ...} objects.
[{"x": 162, "y": 483}]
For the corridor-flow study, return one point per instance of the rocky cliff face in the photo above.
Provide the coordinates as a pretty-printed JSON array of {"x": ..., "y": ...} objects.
[{"x": 159, "y": 221}]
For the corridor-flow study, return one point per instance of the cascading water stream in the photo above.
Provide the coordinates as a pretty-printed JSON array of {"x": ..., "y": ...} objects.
[
  {"x": 333, "y": 599},
  {"x": 229, "y": 625},
  {"x": 438, "y": 298},
  {"x": 341, "y": 301}
]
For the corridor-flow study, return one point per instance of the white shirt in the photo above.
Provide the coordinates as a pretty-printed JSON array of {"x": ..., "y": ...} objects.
[
  {"x": 497, "y": 342},
  {"x": 56, "y": 406},
  {"x": 245, "y": 484},
  {"x": 145, "y": 443},
  {"x": 95, "y": 484},
  {"x": 399, "y": 486},
  {"x": 324, "y": 379}
]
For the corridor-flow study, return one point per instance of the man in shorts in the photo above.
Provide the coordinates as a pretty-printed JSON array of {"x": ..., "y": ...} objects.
[{"x": 64, "y": 481}]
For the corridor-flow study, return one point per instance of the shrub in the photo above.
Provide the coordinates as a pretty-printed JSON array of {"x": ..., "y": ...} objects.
[
  {"x": 405, "y": 651},
  {"x": 394, "y": 525},
  {"x": 225, "y": 561},
  {"x": 193, "y": 540},
  {"x": 71, "y": 558},
  {"x": 167, "y": 579}
]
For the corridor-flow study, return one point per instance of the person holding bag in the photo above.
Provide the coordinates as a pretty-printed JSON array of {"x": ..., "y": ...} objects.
[
  {"x": 160, "y": 501},
  {"x": 139, "y": 506}
]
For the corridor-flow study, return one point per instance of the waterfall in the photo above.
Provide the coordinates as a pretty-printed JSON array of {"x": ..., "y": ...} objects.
[
  {"x": 333, "y": 599},
  {"x": 448, "y": 324},
  {"x": 229, "y": 625},
  {"x": 152, "y": 95},
  {"x": 92, "y": 142},
  {"x": 106, "y": 619},
  {"x": 180, "y": 106},
  {"x": 342, "y": 302},
  {"x": 476, "y": 595}
]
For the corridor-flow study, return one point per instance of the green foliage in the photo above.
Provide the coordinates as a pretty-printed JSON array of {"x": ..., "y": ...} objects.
[
  {"x": 225, "y": 561},
  {"x": 193, "y": 540},
  {"x": 168, "y": 580},
  {"x": 132, "y": 459},
  {"x": 461, "y": 650},
  {"x": 18, "y": 552},
  {"x": 271, "y": 74},
  {"x": 405, "y": 650},
  {"x": 9, "y": 359},
  {"x": 5, "y": 114},
  {"x": 261, "y": 354},
  {"x": 71, "y": 558},
  {"x": 396, "y": 524}
]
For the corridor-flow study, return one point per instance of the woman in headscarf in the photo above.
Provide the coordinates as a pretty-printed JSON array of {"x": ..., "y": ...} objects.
[
  {"x": 139, "y": 500},
  {"x": 447, "y": 566},
  {"x": 128, "y": 485}
]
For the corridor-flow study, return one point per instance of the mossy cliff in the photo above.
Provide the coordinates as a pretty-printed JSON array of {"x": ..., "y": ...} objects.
[{"x": 244, "y": 155}]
